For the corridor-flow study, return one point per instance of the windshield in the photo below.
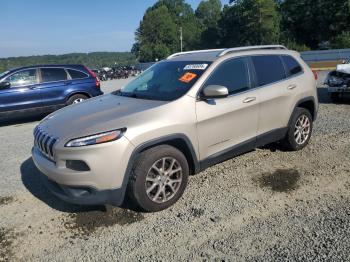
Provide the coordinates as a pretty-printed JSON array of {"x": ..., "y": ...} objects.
[{"x": 165, "y": 81}]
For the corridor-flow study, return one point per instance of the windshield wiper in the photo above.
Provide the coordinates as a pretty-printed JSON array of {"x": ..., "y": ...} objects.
[{"x": 126, "y": 94}]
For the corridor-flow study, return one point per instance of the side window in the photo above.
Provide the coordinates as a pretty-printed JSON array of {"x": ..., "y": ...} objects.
[
  {"x": 268, "y": 68},
  {"x": 53, "y": 74},
  {"x": 75, "y": 74},
  {"x": 292, "y": 66},
  {"x": 22, "y": 78},
  {"x": 232, "y": 74}
]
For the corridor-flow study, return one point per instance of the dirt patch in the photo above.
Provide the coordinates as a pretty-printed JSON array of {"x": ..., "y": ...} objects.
[
  {"x": 6, "y": 200},
  {"x": 196, "y": 212},
  {"x": 6, "y": 240},
  {"x": 85, "y": 223},
  {"x": 282, "y": 180}
]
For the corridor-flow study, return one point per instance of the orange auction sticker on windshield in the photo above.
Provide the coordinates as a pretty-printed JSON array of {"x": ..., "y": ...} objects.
[{"x": 188, "y": 77}]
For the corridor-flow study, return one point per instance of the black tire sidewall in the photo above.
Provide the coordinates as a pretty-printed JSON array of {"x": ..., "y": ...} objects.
[{"x": 140, "y": 170}]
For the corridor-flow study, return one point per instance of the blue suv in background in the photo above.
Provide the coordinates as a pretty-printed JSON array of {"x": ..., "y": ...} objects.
[{"x": 45, "y": 88}]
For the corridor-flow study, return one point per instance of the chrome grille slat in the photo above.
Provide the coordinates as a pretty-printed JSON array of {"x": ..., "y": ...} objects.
[{"x": 44, "y": 142}]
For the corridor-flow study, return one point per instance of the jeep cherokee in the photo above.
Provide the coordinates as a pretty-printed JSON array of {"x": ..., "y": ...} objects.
[{"x": 181, "y": 116}]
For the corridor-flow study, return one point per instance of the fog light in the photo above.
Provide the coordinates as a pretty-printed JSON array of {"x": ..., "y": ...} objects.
[{"x": 77, "y": 165}]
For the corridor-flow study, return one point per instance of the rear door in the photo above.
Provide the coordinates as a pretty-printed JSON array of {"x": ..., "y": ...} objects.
[
  {"x": 276, "y": 92},
  {"x": 24, "y": 93},
  {"x": 54, "y": 82}
]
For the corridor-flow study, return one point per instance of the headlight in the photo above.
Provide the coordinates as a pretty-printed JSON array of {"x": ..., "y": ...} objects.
[{"x": 96, "y": 139}]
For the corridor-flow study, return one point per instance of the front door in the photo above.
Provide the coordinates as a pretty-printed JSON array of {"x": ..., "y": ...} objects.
[
  {"x": 228, "y": 123},
  {"x": 23, "y": 95}
]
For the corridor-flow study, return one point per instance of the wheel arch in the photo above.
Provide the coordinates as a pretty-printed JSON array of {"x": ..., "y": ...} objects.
[
  {"x": 179, "y": 141},
  {"x": 77, "y": 93},
  {"x": 309, "y": 104}
]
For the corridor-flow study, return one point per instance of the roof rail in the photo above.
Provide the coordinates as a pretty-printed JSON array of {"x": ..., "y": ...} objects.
[
  {"x": 194, "y": 52},
  {"x": 248, "y": 48}
]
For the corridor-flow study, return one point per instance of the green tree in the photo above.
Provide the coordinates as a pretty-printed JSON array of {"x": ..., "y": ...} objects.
[
  {"x": 208, "y": 13},
  {"x": 314, "y": 22},
  {"x": 183, "y": 16},
  {"x": 157, "y": 35},
  {"x": 341, "y": 41},
  {"x": 250, "y": 22}
]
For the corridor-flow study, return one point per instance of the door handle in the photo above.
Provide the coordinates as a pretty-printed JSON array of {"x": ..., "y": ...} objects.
[
  {"x": 249, "y": 100},
  {"x": 291, "y": 87}
]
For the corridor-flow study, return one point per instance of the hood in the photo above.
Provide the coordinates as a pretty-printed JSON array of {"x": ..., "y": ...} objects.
[{"x": 95, "y": 115}]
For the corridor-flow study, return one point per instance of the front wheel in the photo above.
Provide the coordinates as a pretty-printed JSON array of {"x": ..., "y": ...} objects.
[
  {"x": 299, "y": 130},
  {"x": 158, "y": 179}
]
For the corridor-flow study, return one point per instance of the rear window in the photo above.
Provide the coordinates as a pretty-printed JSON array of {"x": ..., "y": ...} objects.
[
  {"x": 292, "y": 66},
  {"x": 269, "y": 69},
  {"x": 53, "y": 74},
  {"x": 75, "y": 74}
]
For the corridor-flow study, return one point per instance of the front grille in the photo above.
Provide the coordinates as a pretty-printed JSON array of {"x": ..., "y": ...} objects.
[{"x": 44, "y": 142}]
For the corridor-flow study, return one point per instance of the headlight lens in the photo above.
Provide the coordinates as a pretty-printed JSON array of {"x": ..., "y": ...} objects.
[{"x": 96, "y": 139}]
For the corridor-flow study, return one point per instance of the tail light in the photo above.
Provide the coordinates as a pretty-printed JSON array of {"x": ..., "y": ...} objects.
[
  {"x": 315, "y": 74},
  {"x": 97, "y": 81}
]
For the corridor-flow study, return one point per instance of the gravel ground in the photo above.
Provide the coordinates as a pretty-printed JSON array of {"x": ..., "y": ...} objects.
[{"x": 265, "y": 205}]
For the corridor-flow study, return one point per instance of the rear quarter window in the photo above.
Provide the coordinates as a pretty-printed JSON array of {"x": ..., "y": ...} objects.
[
  {"x": 292, "y": 66},
  {"x": 269, "y": 69},
  {"x": 75, "y": 74}
]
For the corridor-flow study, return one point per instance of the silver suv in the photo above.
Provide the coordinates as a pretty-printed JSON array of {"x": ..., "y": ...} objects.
[{"x": 181, "y": 116}]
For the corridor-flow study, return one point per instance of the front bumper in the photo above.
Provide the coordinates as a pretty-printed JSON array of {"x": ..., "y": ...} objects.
[
  {"x": 84, "y": 195},
  {"x": 341, "y": 89},
  {"x": 102, "y": 183}
]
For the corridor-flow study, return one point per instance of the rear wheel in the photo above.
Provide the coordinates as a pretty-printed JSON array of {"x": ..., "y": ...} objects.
[
  {"x": 158, "y": 179},
  {"x": 76, "y": 99},
  {"x": 299, "y": 131}
]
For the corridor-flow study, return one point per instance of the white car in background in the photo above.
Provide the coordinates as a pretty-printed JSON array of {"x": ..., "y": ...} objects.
[
  {"x": 344, "y": 67},
  {"x": 338, "y": 81}
]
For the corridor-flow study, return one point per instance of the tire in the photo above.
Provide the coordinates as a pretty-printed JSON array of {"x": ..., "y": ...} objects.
[
  {"x": 290, "y": 142},
  {"x": 144, "y": 176},
  {"x": 75, "y": 99}
]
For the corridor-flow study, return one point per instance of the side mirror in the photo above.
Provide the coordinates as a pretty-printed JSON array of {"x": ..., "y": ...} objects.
[
  {"x": 214, "y": 91},
  {"x": 5, "y": 85}
]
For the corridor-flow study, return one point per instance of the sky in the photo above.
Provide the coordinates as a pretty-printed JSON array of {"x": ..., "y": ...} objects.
[{"x": 37, "y": 27}]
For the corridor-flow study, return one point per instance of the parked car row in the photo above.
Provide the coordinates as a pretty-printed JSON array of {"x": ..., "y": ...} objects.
[
  {"x": 107, "y": 73},
  {"x": 45, "y": 88}
]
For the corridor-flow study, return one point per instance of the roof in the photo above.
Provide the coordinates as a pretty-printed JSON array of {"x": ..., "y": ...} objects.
[
  {"x": 46, "y": 65},
  {"x": 214, "y": 54}
]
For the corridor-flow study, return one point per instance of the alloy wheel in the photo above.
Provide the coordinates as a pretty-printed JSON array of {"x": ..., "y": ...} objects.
[
  {"x": 78, "y": 100},
  {"x": 302, "y": 129},
  {"x": 163, "y": 180}
]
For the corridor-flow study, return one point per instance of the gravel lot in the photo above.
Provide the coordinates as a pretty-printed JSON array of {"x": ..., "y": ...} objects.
[{"x": 264, "y": 205}]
